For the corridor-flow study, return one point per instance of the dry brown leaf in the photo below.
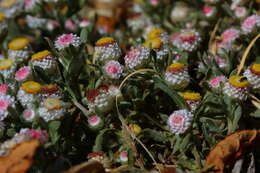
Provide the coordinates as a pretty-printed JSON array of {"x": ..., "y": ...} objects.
[
  {"x": 20, "y": 159},
  {"x": 87, "y": 167},
  {"x": 227, "y": 151},
  {"x": 212, "y": 40}
]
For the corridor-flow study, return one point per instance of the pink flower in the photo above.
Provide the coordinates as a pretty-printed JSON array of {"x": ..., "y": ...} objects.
[
  {"x": 30, "y": 4},
  {"x": 65, "y": 40},
  {"x": 52, "y": 24},
  {"x": 28, "y": 114},
  {"x": 41, "y": 135},
  {"x": 94, "y": 120},
  {"x": 3, "y": 88},
  {"x": 250, "y": 23},
  {"x": 208, "y": 11},
  {"x": 124, "y": 156},
  {"x": 70, "y": 25},
  {"x": 215, "y": 82},
  {"x": 83, "y": 23},
  {"x": 113, "y": 69},
  {"x": 5, "y": 102},
  {"x": 240, "y": 12},
  {"x": 179, "y": 121},
  {"x": 154, "y": 2},
  {"x": 230, "y": 35},
  {"x": 23, "y": 73}
]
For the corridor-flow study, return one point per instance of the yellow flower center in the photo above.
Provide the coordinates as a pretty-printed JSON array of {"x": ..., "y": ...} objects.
[
  {"x": 105, "y": 41},
  {"x": 191, "y": 96},
  {"x": 40, "y": 55},
  {"x": 153, "y": 43},
  {"x": 155, "y": 33},
  {"x": 136, "y": 129},
  {"x": 52, "y": 104},
  {"x": 238, "y": 81},
  {"x": 175, "y": 67},
  {"x": 18, "y": 44},
  {"x": 6, "y": 64},
  {"x": 2, "y": 17},
  {"x": 31, "y": 87},
  {"x": 256, "y": 68},
  {"x": 7, "y": 3}
]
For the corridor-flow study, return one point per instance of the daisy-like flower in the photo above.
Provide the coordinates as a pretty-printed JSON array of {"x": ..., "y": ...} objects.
[
  {"x": 70, "y": 25},
  {"x": 51, "y": 109},
  {"x": 84, "y": 23},
  {"x": 3, "y": 24},
  {"x": 135, "y": 129},
  {"x": 209, "y": 11},
  {"x": 158, "y": 46},
  {"x": 95, "y": 122},
  {"x": 100, "y": 98},
  {"x": 253, "y": 75},
  {"x": 66, "y": 40},
  {"x": 23, "y": 74},
  {"x": 50, "y": 90},
  {"x": 7, "y": 68},
  {"x": 177, "y": 76},
  {"x": 19, "y": 50},
  {"x": 107, "y": 49},
  {"x": 45, "y": 60},
  {"x": 158, "y": 33},
  {"x": 5, "y": 102},
  {"x": 123, "y": 157},
  {"x": 236, "y": 87},
  {"x": 250, "y": 24},
  {"x": 137, "y": 57},
  {"x": 180, "y": 12},
  {"x": 113, "y": 69},
  {"x": 136, "y": 21},
  {"x": 30, "y": 4},
  {"x": 11, "y": 8},
  {"x": 230, "y": 35},
  {"x": 28, "y": 114},
  {"x": 216, "y": 81},
  {"x": 187, "y": 40},
  {"x": 28, "y": 93},
  {"x": 52, "y": 24},
  {"x": 3, "y": 89},
  {"x": 240, "y": 12},
  {"x": 192, "y": 99},
  {"x": 179, "y": 121},
  {"x": 35, "y": 22},
  {"x": 41, "y": 135},
  {"x": 154, "y": 2}
]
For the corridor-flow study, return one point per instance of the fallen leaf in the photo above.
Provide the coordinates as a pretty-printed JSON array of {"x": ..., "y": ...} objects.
[
  {"x": 227, "y": 151},
  {"x": 87, "y": 167},
  {"x": 20, "y": 159}
]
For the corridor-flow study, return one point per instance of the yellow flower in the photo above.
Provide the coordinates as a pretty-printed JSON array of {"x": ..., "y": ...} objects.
[
  {"x": 2, "y": 17},
  {"x": 175, "y": 67},
  {"x": 105, "y": 41},
  {"x": 256, "y": 68},
  {"x": 191, "y": 96},
  {"x": 238, "y": 81},
  {"x": 155, "y": 33},
  {"x": 6, "y": 64},
  {"x": 52, "y": 104},
  {"x": 136, "y": 129},
  {"x": 18, "y": 44},
  {"x": 153, "y": 43},
  {"x": 64, "y": 10},
  {"x": 40, "y": 55},
  {"x": 7, "y": 3},
  {"x": 31, "y": 87}
]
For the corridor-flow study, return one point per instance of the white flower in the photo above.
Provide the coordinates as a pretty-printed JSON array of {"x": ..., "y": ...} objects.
[
  {"x": 66, "y": 40},
  {"x": 113, "y": 69}
]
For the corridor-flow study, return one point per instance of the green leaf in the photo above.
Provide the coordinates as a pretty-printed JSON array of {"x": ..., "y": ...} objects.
[
  {"x": 155, "y": 135},
  {"x": 84, "y": 35},
  {"x": 53, "y": 131},
  {"x": 173, "y": 94},
  {"x": 99, "y": 140}
]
